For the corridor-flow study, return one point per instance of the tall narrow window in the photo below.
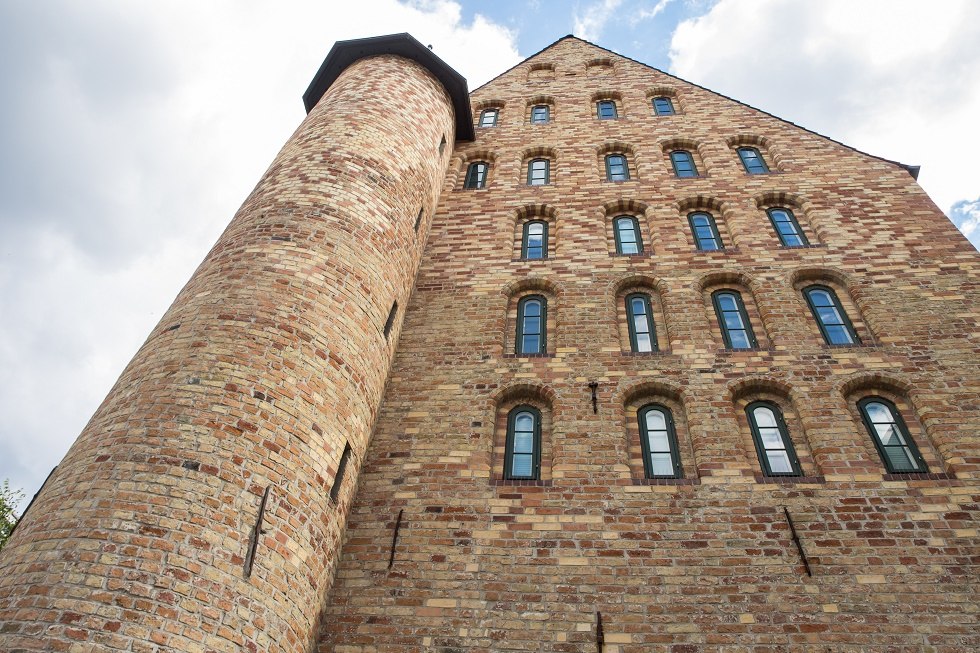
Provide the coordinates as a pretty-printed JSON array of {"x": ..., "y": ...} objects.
[
  {"x": 772, "y": 441},
  {"x": 390, "y": 322},
  {"x": 476, "y": 175},
  {"x": 606, "y": 109},
  {"x": 540, "y": 114},
  {"x": 488, "y": 118},
  {"x": 418, "y": 219},
  {"x": 532, "y": 320},
  {"x": 643, "y": 330},
  {"x": 658, "y": 439},
  {"x": 616, "y": 168},
  {"x": 626, "y": 229},
  {"x": 787, "y": 228},
  {"x": 733, "y": 320},
  {"x": 522, "y": 453},
  {"x": 834, "y": 324},
  {"x": 539, "y": 172},
  {"x": 338, "y": 478},
  {"x": 706, "y": 236},
  {"x": 662, "y": 106},
  {"x": 891, "y": 436},
  {"x": 683, "y": 164},
  {"x": 535, "y": 241},
  {"x": 442, "y": 144},
  {"x": 752, "y": 161}
]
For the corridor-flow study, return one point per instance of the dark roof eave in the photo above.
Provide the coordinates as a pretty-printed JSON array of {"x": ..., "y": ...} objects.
[{"x": 345, "y": 53}]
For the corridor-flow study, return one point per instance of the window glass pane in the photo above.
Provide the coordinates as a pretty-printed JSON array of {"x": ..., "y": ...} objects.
[
  {"x": 638, "y": 307},
  {"x": 779, "y": 462},
  {"x": 900, "y": 459},
  {"x": 764, "y": 417},
  {"x": 607, "y": 109},
  {"x": 532, "y": 325},
  {"x": 521, "y": 465},
  {"x": 752, "y": 160},
  {"x": 488, "y": 118},
  {"x": 821, "y": 298},
  {"x": 663, "y": 106},
  {"x": 734, "y": 321},
  {"x": 739, "y": 340},
  {"x": 656, "y": 421},
  {"x": 643, "y": 342},
  {"x": 771, "y": 438},
  {"x": 727, "y": 302},
  {"x": 658, "y": 440},
  {"x": 889, "y": 435},
  {"x": 523, "y": 442},
  {"x": 839, "y": 335},
  {"x": 661, "y": 464},
  {"x": 524, "y": 422},
  {"x": 531, "y": 344},
  {"x": 532, "y": 307},
  {"x": 879, "y": 413}
]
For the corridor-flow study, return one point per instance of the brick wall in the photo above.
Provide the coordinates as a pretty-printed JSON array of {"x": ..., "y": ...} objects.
[{"x": 706, "y": 562}]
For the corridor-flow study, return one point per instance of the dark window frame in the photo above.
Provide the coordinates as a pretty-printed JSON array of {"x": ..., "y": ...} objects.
[
  {"x": 761, "y": 169},
  {"x": 669, "y": 111},
  {"x": 675, "y": 457},
  {"x": 651, "y": 323},
  {"x": 607, "y": 103},
  {"x": 835, "y": 302},
  {"x": 712, "y": 226},
  {"x": 520, "y": 333},
  {"x": 787, "y": 441},
  {"x": 547, "y": 170},
  {"x": 476, "y": 178},
  {"x": 743, "y": 314},
  {"x": 496, "y": 117},
  {"x": 899, "y": 422},
  {"x": 636, "y": 230},
  {"x": 547, "y": 114},
  {"x": 804, "y": 242},
  {"x": 536, "y": 443},
  {"x": 680, "y": 173},
  {"x": 544, "y": 240},
  {"x": 626, "y": 167}
]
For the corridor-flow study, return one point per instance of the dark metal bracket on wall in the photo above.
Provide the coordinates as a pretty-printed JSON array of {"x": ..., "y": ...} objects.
[
  {"x": 600, "y": 636},
  {"x": 594, "y": 386},
  {"x": 394, "y": 538},
  {"x": 256, "y": 531},
  {"x": 796, "y": 540}
]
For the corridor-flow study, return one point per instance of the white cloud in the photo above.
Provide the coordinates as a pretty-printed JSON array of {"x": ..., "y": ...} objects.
[
  {"x": 589, "y": 22},
  {"x": 896, "y": 78},
  {"x": 966, "y": 216},
  {"x": 129, "y": 135},
  {"x": 646, "y": 14}
]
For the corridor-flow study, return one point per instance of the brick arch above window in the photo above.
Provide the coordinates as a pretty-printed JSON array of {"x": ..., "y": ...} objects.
[
  {"x": 540, "y": 153},
  {"x": 464, "y": 161},
  {"x": 608, "y": 95},
  {"x": 771, "y": 156},
  {"x": 802, "y": 210},
  {"x": 530, "y": 213},
  {"x": 846, "y": 292},
  {"x": 614, "y": 148},
  {"x": 692, "y": 147},
  {"x": 600, "y": 66},
  {"x": 732, "y": 292},
  {"x": 667, "y": 92},
  {"x": 539, "y": 101},
  {"x": 541, "y": 71}
]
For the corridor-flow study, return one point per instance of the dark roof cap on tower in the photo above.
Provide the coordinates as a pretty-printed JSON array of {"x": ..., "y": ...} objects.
[{"x": 345, "y": 53}]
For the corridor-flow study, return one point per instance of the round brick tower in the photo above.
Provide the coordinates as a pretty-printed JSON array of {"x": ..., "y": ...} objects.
[{"x": 197, "y": 510}]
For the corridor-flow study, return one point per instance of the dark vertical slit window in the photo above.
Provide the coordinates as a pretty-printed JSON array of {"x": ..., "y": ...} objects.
[
  {"x": 639, "y": 316},
  {"x": 338, "y": 479},
  {"x": 733, "y": 320},
  {"x": 658, "y": 439},
  {"x": 683, "y": 164},
  {"x": 662, "y": 106},
  {"x": 418, "y": 219},
  {"x": 772, "y": 440},
  {"x": 540, "y": 114},
  {"x": 539, "y": 172},
  {"x": 891, "y": 436},
  {"x": 442, "y": 145},
  {"x": 787, "y": 228},
  {"x": 488, "y": 118},
  {"x": 390, "y": 322},
  {"x": 522, "y": 456},
  {"x": 706, "y": 236},
  {"x": 476, "y": 175},
  {"x": 626, "y": 229},
  {"x": 534, "y": 243},
  {"x": 532, "y": 320},
  {"x": 835, "y": 327},
  {"x": 752, "y": 161},
  {"x": 606, "y": 110},
  {"x": 617, "y": 168}
]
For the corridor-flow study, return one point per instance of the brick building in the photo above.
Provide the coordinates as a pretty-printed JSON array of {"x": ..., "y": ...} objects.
[{"x": 558, "y": 365}]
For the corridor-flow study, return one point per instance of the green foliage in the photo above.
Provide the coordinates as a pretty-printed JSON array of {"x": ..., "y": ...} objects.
[{"x": 8, "y": 518}]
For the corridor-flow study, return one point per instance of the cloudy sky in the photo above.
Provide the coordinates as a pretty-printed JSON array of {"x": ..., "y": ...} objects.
[{"x": 131, "y": 131}]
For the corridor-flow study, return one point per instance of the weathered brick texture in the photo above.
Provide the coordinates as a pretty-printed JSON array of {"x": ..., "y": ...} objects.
[
  {"x": 705, "y": 562},
  {"x": 269, "y": 361}
]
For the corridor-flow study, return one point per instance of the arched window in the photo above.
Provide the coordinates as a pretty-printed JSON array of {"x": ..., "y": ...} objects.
[
  {"x": 626, "y": 228},
  {"x": 639, "y": 317},
  {"x": 534, "y": 243},
  {"x": 476, "y": 175},
  {"x": 706, "y": 236},
  {"x": 532, "y": 320},
  {"x": 617, "y": 168},
  {"x": 538, "y": 172},
  {"x": 834, "y": 324},
  {"x": 522, "y": 454},
  {"x": 733, "y": 320},
  {"x": 540, "y": 114},
  {"x": 662, "y": 106},
  {"x": 772, "y": 440},
  {"x": 606, "y": 109},
  {"x": 488, "y": 118},
  {"x": 891, "y": 436},
  {"x": 683, "y": 163},
  {"x": 787, "y": 228},
  {"x": 752, "y": 161},
  {"x": 658, "y": 440}
]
